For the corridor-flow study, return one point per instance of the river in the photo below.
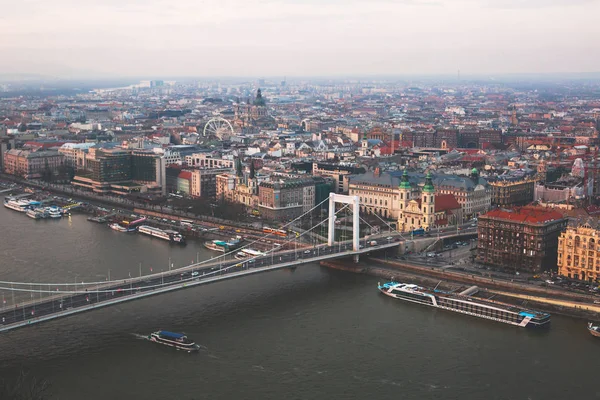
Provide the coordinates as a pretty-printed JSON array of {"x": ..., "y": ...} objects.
[{"x": 311, "y": 333}]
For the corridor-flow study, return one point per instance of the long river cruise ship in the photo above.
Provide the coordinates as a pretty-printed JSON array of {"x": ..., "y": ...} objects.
[
  {"x": 172, "y": 236},
  {"x": 465, "y": 304}
]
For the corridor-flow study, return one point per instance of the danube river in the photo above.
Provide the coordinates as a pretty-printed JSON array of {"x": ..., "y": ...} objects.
[{"x": 311, "y": 333}]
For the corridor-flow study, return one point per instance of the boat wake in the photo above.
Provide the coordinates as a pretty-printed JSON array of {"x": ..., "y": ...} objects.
[{"x": 138, "y": 336}]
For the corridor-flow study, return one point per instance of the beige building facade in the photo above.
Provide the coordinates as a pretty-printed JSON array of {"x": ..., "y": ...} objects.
[
  {"x": 579, "y": 253},
  {"x": 31, "y": 164},
  {"x": 204, "y": 182}
]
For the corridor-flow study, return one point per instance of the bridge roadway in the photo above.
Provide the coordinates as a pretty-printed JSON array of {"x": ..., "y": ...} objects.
[{"x": 67, "y": 302}]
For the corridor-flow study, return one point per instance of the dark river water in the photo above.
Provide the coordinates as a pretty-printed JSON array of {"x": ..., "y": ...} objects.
[{"x": 311, "y": 333}]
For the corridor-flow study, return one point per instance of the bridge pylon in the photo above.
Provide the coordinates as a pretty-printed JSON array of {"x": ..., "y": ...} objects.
[{"x": 354, "y": 202}]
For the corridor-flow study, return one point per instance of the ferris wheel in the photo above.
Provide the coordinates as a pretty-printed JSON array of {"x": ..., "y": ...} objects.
[{"x": 219, "y": 127}]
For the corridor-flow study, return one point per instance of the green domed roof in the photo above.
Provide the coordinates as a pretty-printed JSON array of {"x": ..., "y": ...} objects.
[
  {"x": 404, "y": 183},
  {"x": 474, "y": 171},
  {"x": 428, "y": 188}
]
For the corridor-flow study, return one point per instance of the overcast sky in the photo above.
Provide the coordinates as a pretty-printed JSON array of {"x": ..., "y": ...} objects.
[{"x": 298, "y": 37}]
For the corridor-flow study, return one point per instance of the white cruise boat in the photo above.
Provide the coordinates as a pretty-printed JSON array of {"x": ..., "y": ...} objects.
[
  {"x": 217, "y": 245},
  {"x": 17, "y": 205},
  {"x": 35, "y": 214},
  {"x": 54, "y": 212},
  {"x": 245, "y": 253},
  {"x": 172, "y": 236},
  {"x": 172, "y": 339},
  {"x": 465, "y": 304}
]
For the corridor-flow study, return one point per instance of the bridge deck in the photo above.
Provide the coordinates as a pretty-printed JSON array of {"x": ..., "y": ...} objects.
[
  {"x": 63, "y": 303},
  {"x": 59, "y": 306}
]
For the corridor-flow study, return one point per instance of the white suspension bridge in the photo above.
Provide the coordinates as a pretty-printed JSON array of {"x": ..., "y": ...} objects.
[{"x": 59, "y": 299}]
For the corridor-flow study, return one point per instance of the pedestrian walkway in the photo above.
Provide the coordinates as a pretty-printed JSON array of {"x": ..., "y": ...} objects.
[{"x": 556, "y": 302}]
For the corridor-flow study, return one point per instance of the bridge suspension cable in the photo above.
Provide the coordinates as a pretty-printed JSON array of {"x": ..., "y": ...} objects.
[
  {"x": 224, "y": 255},
  {"x": 216, "y": 272}
]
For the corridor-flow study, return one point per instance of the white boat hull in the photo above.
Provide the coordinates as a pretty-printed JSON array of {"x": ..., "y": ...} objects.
[{"x": 522, "y": 324}]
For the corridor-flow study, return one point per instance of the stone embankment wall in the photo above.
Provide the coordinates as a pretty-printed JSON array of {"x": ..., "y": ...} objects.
[{"x": 431, "y": 277}]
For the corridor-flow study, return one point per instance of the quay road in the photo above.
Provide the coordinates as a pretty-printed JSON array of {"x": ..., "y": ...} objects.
[
  {"x": 66, "y": 302},
  {"x": 127, "y": 205}
]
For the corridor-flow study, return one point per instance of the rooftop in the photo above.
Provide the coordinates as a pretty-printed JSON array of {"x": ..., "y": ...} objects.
[
  {"x": 446, "y": 202},
  {"x": 392, "y": 179},
  {"x": 527, "y": 215}
]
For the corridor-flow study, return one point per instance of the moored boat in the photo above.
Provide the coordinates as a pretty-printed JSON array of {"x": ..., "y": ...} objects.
[
  {"x": 120, "y": 228},
  {"x": 177, "y": 340},
  {"x": 248, "y": 253},
  {"x": 464, "y": 303},
  {"x": 54, "y": 212},
  {"x": 35, "y": 214},
  {"x": 17, "y": 205},
  {"x": 217, "y": 245},
  {"x": 594, "y": 329},
  {"x": 172, "y": 236},
  {"x": 223, "y": 246}
]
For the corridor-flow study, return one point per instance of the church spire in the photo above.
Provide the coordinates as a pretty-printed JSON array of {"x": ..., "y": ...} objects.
[
  {"x": 404, "y": 183},
  {"x": 428, "y": 188},
  {"x": 259, "y": 100},
  {"x": 238, "y": 168},
  {"x": 252, "y": 170}
]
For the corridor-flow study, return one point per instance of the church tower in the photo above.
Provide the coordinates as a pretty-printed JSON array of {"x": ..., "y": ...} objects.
[
  {"x": 475, "y": 176},
  {"x": 404, "y": 191},
  {"x": 252, "y": 184},
  {"x": 428, "y": 202},
  {"x": 365, "y": 142},
  {"x": 239, "y": 172}
]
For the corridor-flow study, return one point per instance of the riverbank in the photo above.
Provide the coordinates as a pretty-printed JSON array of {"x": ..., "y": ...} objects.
[
  {"x": 130, "y": 205},
  {"x": 543, "y": 299}
]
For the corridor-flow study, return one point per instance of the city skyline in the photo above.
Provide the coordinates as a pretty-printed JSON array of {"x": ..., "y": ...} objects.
[{"x": 307, "y": 38}]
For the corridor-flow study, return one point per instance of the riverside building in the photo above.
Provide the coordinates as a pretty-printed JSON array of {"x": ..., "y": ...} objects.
[
  {"x": 520, "y": 239},
  {"x": 579, "y": 252}
]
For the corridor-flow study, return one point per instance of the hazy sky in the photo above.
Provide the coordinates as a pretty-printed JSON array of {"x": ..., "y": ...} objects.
[{"x": 298, "y": 37}]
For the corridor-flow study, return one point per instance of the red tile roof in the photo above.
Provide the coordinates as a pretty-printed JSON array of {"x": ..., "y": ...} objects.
[
  {"x": 531, "y": 214},
  {"x": 445, "y": 202},
  {"x": 44, "y": 145},
  {"x": 185, "y": 175}
]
